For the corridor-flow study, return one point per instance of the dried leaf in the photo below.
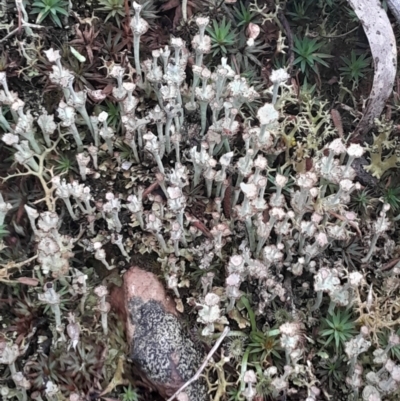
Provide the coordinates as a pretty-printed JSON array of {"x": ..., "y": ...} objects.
[
  {"x": 150, "y": 189},
  {"x": 227, "y": 206},
  {"x": 118, "y": 379},
  {"x": 169, "y": 5},
  {"x": 33, "y": 282},
  {"x": 179, "y": 305},
  {"x": 337, "y": 121},
  {"x": 238, "y": 318},
  {"x": 199, "y": 225}
]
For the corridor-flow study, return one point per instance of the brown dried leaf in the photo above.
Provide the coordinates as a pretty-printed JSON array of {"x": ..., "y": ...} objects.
[
  {"x": 337, "y": 121},
  {"x": 150, "y": 189},
  {"x": 33, "y": 282},
  {"x": 226, "y": 204},
  {"x": 169, "y": 5},
  {"x": 199, "y": 225},
  {"x": 239, "y": 319}
]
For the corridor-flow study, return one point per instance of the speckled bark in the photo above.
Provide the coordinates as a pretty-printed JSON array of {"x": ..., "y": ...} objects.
[
  {"x": 159, "y": 347},
  {"x": 381, "y": 39}
]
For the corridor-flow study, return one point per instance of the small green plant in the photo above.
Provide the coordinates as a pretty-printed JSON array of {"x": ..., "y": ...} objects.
[
  {"x": 222, "y": 37},
  {"x": 51, "y": 8},
  {"x": 125, "y": 151},
  {"x": 355, "y": 67},
  {"x": 393, "y": 350},
  {"x": 129, "y": 394},
  {"x": 351, "y": 15},
  {"x": 338, "y": 327},
  {"x": 262, "y": 345},
  {"x": 289, "y": 183},
  {"x": 391, "y": 195},
  {"x": 362, "y": 202},
  {"x": 244, "y": 15},
  {"x": 115, "y": 9},
  {"x": 308, "y": 55},
  {"x": 113, "y": 111},
  {"x": 351, "y": 251},
  {"x": 3, "y": 119},
  {"x": 308, "y": 91},
  {"x": 3, "y": 231},
  {"x": 332, "y": 370},
  {"x": 235, "y": 394},
  {"x": 323, "y": 3},
  {"x": 64, "y": 164},
  {"x": 300, "y": 10},
  {"x": 149, "y": 11},
  {"x": 250, "y": 55}
]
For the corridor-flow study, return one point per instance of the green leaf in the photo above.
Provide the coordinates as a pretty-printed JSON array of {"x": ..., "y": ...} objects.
[
  {"x": 41, "y": 16},
  {"x": 303, "y": 66},
  {"x": 61, "y": 11},
  {"x": 56, "y": 20}
]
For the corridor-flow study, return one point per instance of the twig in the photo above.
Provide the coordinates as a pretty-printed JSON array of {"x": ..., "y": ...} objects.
[
  {"x": 203, "y": 365},
  {"x": 289, "y": 35},
  {"x": 337, "y": 122},
  {"x": 41, "y": 175},
  {"x": 352, "y": 223},
  {"x": 24, "y": 24},
  {"x": 13, "y": 265},
  {"x": 5, "y": 269},
  {"x": 184, "y": 10},
  {"x": 382, "y": 41},
  {"x": 19, "y": 19},
  {"x": 9, "y": 34},
  {"x": 390, "y": 264},
  {"x": 199, "y": 225},
  {"x": 150, "y": 189},
  {"x": 341, "y": 35},
  {"x": 127, "y": 12}
]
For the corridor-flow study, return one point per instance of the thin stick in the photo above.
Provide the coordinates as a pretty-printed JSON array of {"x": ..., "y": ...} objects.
[
  {"x": 289, "y": 35},
  {"x": 4, "y": 269},
  {"x": 24, "y": 24},
  {"x": 352, "y": 223},
  {"x": 12, "y": 265},
  {"x": 203, "y": 365},
  {"x": 390, "y": 264}
]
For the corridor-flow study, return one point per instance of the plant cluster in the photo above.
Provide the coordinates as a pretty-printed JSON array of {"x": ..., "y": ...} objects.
[{"x": 50, "y": 8}]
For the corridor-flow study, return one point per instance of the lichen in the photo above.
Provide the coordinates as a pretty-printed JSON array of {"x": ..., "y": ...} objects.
[{"x": 381, "y": 152}]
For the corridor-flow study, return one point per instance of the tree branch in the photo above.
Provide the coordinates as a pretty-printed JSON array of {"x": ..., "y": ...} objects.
[{"x": 382, "y": 41}]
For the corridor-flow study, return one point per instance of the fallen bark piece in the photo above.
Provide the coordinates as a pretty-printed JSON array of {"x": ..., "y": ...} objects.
[
  {"x": 382, "y": 41},
  {"x": 159, "y": 346}
]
